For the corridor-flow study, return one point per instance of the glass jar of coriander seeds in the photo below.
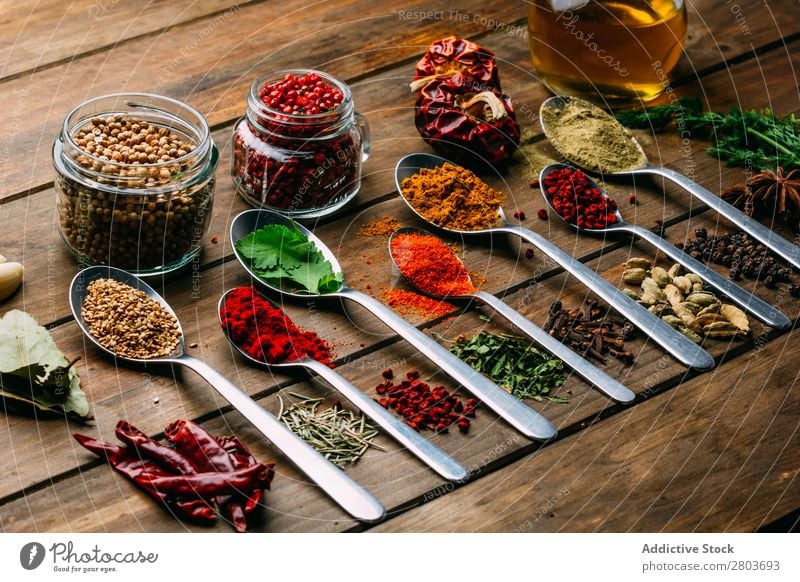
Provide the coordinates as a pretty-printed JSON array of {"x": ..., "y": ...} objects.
[
  {"x": 300, "y": 146},
  {"x": 134, "y": 182}
]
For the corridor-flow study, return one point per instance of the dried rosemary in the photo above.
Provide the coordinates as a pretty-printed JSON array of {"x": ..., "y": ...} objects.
[{"x": 339, "y": 434}]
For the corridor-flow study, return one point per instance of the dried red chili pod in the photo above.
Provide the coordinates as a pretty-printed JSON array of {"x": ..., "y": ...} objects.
[
  {"x": 206, "y": 454},
  {"x": 208, "y": 485},
  {"x": 141, "y": 471},
  {"x": 463, "y": 123},
  {"x": 451, "y": 55},
  {"x": 167, "y": 457}
]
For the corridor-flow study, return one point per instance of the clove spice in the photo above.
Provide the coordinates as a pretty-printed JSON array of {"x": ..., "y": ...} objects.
[{"x": 592, "y": 331}]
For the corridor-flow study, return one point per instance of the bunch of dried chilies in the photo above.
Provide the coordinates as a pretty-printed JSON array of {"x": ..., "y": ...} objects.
[
  {"x": 196, "y": 478},
  {"x": 461, "y": 111}
]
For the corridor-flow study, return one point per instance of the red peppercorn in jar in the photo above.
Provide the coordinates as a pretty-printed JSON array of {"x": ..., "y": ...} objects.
[{"x": 300, "y": 147}]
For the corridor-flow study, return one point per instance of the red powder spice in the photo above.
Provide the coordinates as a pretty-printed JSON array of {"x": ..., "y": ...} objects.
[
  {"x": 430, "y": 265},
  {"x": 405, "y": 302},
  {"x": 266, "y": 334}
]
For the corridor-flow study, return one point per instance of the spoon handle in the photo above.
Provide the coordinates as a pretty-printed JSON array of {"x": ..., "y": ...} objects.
[
  {"x": 766, "y": 236},
  {"x": 744, "y": 299},
  {"x": 586, "y": 370},
  {"x": 353, "y": 498},
  {"x": 517, "y": 414},
  {"x": 680, "y": 346},
  {"x": 430, "y": 454}
]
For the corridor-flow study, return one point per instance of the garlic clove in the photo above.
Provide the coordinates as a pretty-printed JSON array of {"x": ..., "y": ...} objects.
[{"x": 10, "y": 278}]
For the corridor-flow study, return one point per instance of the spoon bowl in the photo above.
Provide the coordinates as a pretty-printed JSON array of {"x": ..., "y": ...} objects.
[
  {"x": 396, "y": 428},
  {"x": 524, "y": 419},
  {"x": 681, "y": 347},
  {"x": 780, "y": 246},
  {"x": 414, "y": 230},
  {"x": 412, "y": 164},
  {"x": 592, "y": 374},
  {"x": 77, "y": 294},
  {"x": 251, "y": 220},
  {"x": 350, "y": 495},
  {"x": 743, "y": 298}
]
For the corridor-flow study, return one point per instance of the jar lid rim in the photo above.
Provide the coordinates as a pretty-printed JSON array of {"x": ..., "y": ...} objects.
[{"x": 204, "y": 130}]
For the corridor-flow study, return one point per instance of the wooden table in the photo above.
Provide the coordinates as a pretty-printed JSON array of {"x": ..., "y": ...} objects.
[{"x": 711, "y": 452}]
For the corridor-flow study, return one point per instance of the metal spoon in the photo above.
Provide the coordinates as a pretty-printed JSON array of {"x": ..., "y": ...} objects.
[
  {"x": 430, "y": 454},
  {"x": 741, "y": 297},
  {"x": 592, "y": 374},
  {"x": 766, "y": 236},
  {"x": 681, "y": 347},
  {"x": 524, "y": 419},
  {"x": 353, "y": 498}
]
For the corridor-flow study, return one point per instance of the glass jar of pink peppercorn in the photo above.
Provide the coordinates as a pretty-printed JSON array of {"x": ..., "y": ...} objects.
[{"x": 300, "y": 146}]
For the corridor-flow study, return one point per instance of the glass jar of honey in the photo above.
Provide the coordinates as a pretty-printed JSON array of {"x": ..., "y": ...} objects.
[{"x": 618, "y": 52}]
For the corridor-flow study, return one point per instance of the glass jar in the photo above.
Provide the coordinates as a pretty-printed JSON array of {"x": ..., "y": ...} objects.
[
  {"x": 301, "y": 165},
  {"x": 617, "y": 52},
  {"x": 135, "y": 211}
]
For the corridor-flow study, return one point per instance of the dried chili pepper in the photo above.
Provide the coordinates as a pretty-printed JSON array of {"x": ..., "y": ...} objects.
[
  {"x": 167, "y": 457},
  {"x": 208, "y": 485},
  {"x": 462, "y": 119},
  {"x": 134, "y": 468},
  {"x": 189, "y": 480},
  {"x": 452, "y": 55},
  {"x": 207, "y": 455}
]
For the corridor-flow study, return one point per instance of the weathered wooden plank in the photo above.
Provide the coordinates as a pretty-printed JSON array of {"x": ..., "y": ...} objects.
[
  {"x": 41, "y": 34},
  {"x": 719, "y": 453}
]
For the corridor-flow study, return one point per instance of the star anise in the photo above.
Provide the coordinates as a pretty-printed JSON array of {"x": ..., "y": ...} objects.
[{"x": 767, "y": 192}]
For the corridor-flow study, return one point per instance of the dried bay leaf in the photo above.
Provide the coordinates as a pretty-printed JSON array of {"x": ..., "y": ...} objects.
[{"x": 34, "y": 372}]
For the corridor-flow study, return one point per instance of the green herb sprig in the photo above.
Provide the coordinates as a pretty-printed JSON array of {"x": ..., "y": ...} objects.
[
  {"x": 278, "y": 253},
  {"x": 659, "y": 117},
  {"x": 513, "y": 364},
  {"x": 752, "y": 138}
]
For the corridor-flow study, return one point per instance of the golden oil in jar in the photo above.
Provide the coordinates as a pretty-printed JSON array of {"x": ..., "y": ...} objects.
[{"x": 618, "y": 52}]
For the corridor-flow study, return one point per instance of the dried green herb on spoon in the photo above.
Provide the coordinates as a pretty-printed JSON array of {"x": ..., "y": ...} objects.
[
  {"x": 338, "y": 434},
  {"x": 511, "y": 362}
]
